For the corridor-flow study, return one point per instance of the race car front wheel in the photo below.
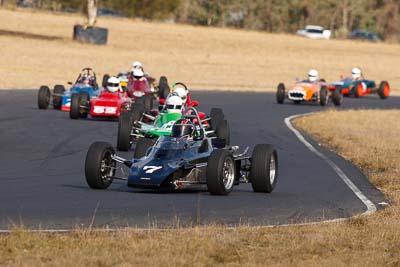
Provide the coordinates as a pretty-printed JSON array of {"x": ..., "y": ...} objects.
[
  {"x": 264, "y": 168},
  {"x": 100, "y": 166},
  {"x": 124, "y": 131},
  {"x": 44, "y": 97},
  {"x": 220, "y": 172},
  {"x": 337, "y": 95},
  {"x": 280, "y": 93},
  {"x": 323, "y": 96},
  {"x": 57, "y": 97},
  {"x": 75, "y": 107}
]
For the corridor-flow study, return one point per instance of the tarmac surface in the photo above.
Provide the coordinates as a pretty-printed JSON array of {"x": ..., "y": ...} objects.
[{"x": 42, "y": 182}]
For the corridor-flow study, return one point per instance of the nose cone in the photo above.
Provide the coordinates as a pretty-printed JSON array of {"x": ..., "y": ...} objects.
[{"x": 151, "y": 174}]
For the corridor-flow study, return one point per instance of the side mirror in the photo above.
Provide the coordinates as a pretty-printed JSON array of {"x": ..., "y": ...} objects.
[
  {"x": 162, "y": 101},
  {"x": 70, "y": 83},
  {"x": 195, "y": 103}
]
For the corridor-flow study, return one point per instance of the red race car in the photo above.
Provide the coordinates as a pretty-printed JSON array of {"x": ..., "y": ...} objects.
[{"x": 107, "y": 104}]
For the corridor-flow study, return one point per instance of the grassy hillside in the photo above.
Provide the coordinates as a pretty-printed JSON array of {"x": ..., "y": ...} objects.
[{"x": 205, "y": 58}]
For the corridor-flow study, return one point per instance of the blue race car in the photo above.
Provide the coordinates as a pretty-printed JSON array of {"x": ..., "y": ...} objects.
[
  {"x": 187, "y": 158},
  {"x": 85, "y": 84},
  {"x": 359, "y": 88}
]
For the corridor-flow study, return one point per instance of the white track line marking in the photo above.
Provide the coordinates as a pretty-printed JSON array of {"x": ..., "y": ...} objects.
[{"x": 371, "y": 208}]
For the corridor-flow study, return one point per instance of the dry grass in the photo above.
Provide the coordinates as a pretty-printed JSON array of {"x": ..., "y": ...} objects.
[
  {"x": 361, "y": 241},
  {"x": 202, "y": 57}
]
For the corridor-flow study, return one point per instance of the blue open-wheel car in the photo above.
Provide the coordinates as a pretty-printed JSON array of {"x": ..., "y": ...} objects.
[
  {"x": 187, "y": 158},
  {"x": 85, "y": 84}
]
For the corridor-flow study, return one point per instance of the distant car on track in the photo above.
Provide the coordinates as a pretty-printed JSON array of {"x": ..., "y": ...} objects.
[
  {"x": 314, "y": 32},
  {"x": 304, "y": 91},
  {"x": 359, "y": 88},
  {"x": 86, "y": 83},
  {"x": 107, "y": 105},
  {"x": 186, "y": 159}
]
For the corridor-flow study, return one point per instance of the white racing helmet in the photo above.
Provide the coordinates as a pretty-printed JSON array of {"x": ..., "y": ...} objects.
[
  {"x": 356, "y": 73},
  {"x": 137, "y": 65},
  {"x": 182, "y": 93},
  {"x": 137, "y": 74},
  {"x": 113, "y": 84},
  {"x": 313, "y": 75},
  {"x": 174, "y": 104}
]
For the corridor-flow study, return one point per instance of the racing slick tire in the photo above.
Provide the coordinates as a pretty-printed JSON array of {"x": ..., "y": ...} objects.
[
  {"x": 137, "y": 111},
  {"x": 148, "y": 103},
  {"x": 44, "y": 97},
  {"x": 163, "y": 88},
  {"x": 125, "y": 125},
  {"x": 99, "y": 166},
  {"x": 84, "y": 100},
  {"x": 337, "y": 95},
  {"x": 220, "y": 172},
  {"x": 105, "y": 79},
  {"x": 75, "y": 107},
  {"x": 280, "y": 93},
  {"x": 223, "y": 132},
  {"x": 57, "y": 97},
  {"x": 142, "y": 146},
  {"x": 384, "y": 90},
  {"x": 323, "y": 96},
  {"x": 264, "y": 168},
  {"x": 216, "y": 115}
]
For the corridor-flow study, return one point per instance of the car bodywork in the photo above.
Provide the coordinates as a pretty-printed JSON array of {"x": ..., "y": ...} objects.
[
  {"x": 313, "y": 92},
  {"x": 107, "y": 104},
  {"x": 359, "y": 88}
]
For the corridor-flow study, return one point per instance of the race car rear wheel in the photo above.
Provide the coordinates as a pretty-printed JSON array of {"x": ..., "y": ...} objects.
[
  {"x": 384, "y": 90},
  {"x": 57, "y": 97},
  {"x": 75, "y": 107},
  {"x": 220, "y": 172},
  {"x": 323, "y": 96},
  {"x": 105, "y": 79},
  {"x": 125, "y": 125},
  {"x": 142, "y": 146},
  {"x": 264, "y": 168},
  {"x": 358, "y": 90},
  {"x": 44, "y": 97},
  {"x": 280, "y": 93},
  {"x": 337, "y": 95},
  {"x": 216, "y": 115},
  {"x": 148, "y": 103},
  {"x": 99, "y": 165},
  {"x": 137, "y": 111},
  {"x": 163, "y": 88},
  {"x": 223, "y": 131},
  {"x": 84, "y": 100}
]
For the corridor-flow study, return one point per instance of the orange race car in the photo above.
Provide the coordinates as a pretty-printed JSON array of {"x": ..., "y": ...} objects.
[{"x": 312, "y": 89}]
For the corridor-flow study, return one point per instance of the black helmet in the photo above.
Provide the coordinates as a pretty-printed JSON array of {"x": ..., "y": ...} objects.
[{"x": 182, "y": 127}]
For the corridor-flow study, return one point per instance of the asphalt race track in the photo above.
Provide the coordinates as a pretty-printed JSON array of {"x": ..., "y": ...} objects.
[{"x": 42, "y": 183}]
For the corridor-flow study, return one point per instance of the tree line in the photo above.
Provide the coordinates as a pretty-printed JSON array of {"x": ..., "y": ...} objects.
[{"x": 341, "y": 16}]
